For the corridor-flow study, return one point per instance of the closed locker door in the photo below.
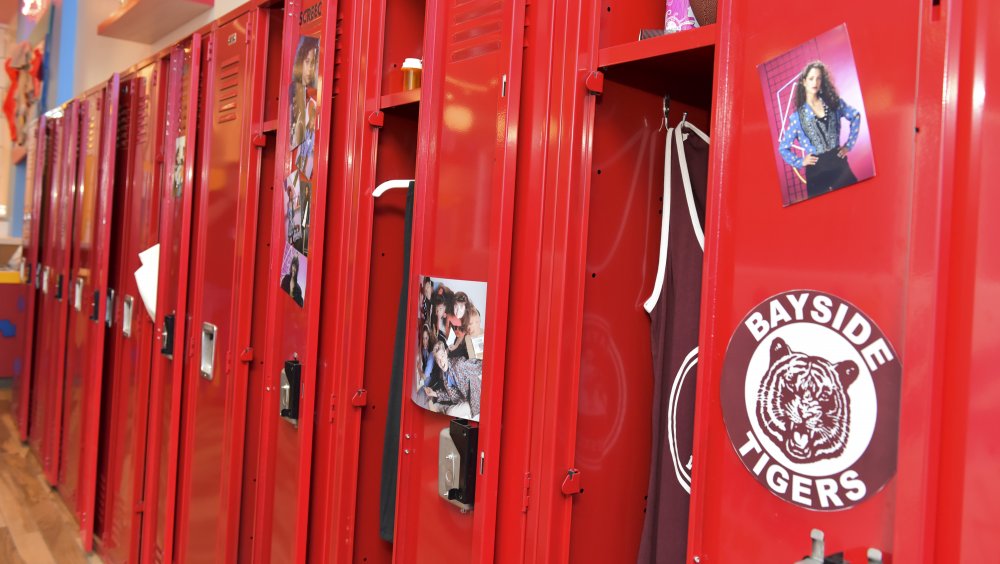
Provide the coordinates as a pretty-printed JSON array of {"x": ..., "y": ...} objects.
[
  {"x": 131, "y": 329},
  {"x": 38, "y": 171},
  {"x": 81, "y": 285},
  {"x": 463, "y": 201},
  {"x": 294, "y": 281},
  {"x": 798, "y": 411},
  {"x": 220, "y": 299},
  {"x": 171, "y": 311}
]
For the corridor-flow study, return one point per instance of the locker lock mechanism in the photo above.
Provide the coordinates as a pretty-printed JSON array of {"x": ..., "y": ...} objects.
[
  {"x": 290, "y": 390},
  {"x": 457, "y": 448},
  {"x": 817, "y": 552}
]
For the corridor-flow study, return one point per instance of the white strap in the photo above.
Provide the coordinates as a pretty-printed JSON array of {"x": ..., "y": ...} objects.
[
  {"x": 686, "y": 178},
  {"x": 661, "y": 269}
]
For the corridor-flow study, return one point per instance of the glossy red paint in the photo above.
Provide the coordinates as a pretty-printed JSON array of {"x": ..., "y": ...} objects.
[
  {"x": 226, "y": 205},
  {"x": 85, "y": 344},
  {"x": 131, "y": 332},
  {"x": 39, "y": 165},
  {"x": 853, "y": 243},
  {"x": 51, "y": 350},
  {"x": 292, "y": 330},
  {"x": 179, "y": 146},
  {"x": 465, "y": 169}
]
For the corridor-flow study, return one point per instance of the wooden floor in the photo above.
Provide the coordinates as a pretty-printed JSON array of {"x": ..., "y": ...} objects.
[{"x": 35, "y": 525}]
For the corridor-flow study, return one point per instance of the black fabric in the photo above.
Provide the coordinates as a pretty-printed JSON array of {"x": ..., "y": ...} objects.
[
  {"x": 390, "y": 447},
  {"x": 829, "y": 173},
  {"x": 674, "y": 339}
]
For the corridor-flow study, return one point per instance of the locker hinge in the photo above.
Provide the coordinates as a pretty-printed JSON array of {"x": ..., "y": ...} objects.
[
  {"x": 525, "y": 497},
  {"x": 376, "y": 119},
  {"x": 360, "y": 398},
  {"x": 595, "y": 82},
  {"x": 140, "y": 507},
  {"x": 572, "y": 483},
  {"x": 247, "y": 355},
  {"x": 333, "y": 407}
]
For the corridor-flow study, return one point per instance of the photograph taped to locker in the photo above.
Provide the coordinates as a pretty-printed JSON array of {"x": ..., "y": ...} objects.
[
  {"x": 450, "y": 346},
  {"x": 817, "y": 117}
]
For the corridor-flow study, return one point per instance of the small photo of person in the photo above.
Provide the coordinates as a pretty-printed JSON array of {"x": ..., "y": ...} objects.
[
  {"x": 450, "y": 339},
  {"x": 302, "y": 93},
  {"x": 293, "y": 275},
  {"x": 817, "y": 117},
  {"x": 178, "y": 176}
]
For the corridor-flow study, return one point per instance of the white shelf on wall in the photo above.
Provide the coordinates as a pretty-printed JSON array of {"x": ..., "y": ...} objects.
[{"x": 145, "y": 21}]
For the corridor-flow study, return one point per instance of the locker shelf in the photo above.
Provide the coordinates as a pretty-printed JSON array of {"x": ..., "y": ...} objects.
[
  {"x": 680, "y": 64},
  {"x": 397, "y": 99},
  {"x": 145, "y": 21},
  {"x": 658, "y": 47}
]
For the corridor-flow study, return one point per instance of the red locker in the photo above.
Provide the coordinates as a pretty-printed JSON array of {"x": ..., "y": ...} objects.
[
  {"x": 50, "y": 353},
  {"x": 221, "y": 300},
  {"x": 39, "y": 164},
  {"x": 163, "y": 436},
  {"x": 375, "y": 119},
  {"x": 294, "y": 281},
  {"x": 462, "y": 225},
  {"x": 129, "y": 351},
  {"x": 85, "y": 343}
]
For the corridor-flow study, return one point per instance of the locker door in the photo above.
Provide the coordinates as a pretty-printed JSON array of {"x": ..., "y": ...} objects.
[
  {"x": 461, "y": 237},
  {"x": 294, "y": 284},
  {"x": 131, "y": 329},
  {"x": 221, "y": 304},
  {"x": 38, "y": 171},
  {"x": 852, "y": 244},
  {"x": 80, "y": 287},
  {"x": 171, "y": 311},
  {"x": 50, "y": 355}
]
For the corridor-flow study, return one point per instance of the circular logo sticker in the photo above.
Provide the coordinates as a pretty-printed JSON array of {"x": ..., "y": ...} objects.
[{"x": 810, "y": 398}]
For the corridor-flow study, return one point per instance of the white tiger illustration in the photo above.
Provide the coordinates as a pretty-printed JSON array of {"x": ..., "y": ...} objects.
[{"x": 803, "y": 405}]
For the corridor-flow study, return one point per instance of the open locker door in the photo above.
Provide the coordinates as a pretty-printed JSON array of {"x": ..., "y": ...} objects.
[
  {"x": 176, "y": 196},
  {"x": 799, "y": 378},
  {"x": 294, "y": 286},
  {"x": 461, "y": 244},
  {"x": 85, "y": 342},
  {"x": 39, "y": 163},
  {"x": 221, "y": 294}
]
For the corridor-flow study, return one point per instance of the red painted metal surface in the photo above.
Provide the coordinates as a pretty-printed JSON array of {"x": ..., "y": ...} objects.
[
  {"x": 866, "y": 263},
  {"x": 461, "y": 229},
  {"x": 130, "y": 353},
  {"x": 50, "y": 352},
  {"x": 180, "y": 143},
  {"x": 85, "y": 345},
  {"x": 226, "y": 205},
  {"x": 285, "y": 454},
  {"x": 40, "y": 159}
]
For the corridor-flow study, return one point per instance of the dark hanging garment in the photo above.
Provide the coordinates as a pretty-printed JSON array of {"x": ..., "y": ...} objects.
[
  {"x": 674, "y": 311},
  {"x": 390, "y": 448}
]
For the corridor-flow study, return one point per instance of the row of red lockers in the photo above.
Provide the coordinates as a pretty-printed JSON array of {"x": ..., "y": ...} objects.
[{"x": 177, "y": 435}]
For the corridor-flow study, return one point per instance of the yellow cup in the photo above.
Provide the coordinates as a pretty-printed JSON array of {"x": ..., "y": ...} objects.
[{"x": 412, "y": 68}]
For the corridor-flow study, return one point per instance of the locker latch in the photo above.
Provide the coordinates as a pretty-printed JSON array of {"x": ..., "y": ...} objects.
[
  {"x": 816, "y": 554},
  {"x": 95, "y": 306},
  {"x": 376, "y": 119},
  {"x": 595, "y": 82},
  {"x": 573, "y": 482},
  {"x": 360, "y": 398},
  {"x": 167, "y": 336},
  {"x": 289, "y": 391}
]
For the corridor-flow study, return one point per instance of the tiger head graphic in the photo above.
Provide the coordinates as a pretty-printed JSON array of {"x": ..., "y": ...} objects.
[{"x": 802, "y": 404}]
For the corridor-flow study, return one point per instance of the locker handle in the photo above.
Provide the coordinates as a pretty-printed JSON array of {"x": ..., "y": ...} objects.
[
  {"x": 208, "y": 334},
  {"x": 167, "y": 334},
  {"x": 59, "y": 287},
  {"x": 127, "y": 306},
  {"x": 109, "y": 308},
  {"x": 78, "y": 294},
  {"x": 38, "y": 276},
  {"x": 94, "y": 309}
]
